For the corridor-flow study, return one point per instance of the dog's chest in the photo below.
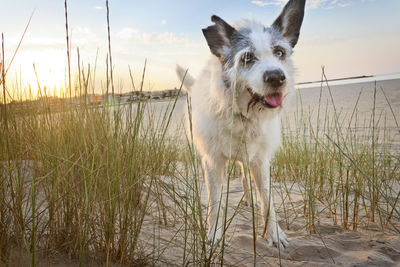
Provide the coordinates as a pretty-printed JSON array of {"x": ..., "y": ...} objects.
[{"x": 245, "y": 139}]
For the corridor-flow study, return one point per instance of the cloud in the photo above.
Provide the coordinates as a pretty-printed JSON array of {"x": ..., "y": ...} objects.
[
  {"x": 268, "y": 3},
  {"x": 127, "y": 33},
  {"x": 344, "y": 4},
  {"x": 135, "y": 35},
  {"x": 340, "y": 3},
  {"x": 311, "y": 4},
  {"x": 43, "y": 43},
  {"x": 163, "y": 38}
]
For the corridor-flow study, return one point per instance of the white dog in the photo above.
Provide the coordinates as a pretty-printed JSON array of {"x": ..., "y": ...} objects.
[{"x": 236, "y": 104}]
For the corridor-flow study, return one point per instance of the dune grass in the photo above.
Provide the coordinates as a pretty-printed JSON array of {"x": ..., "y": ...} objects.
[{"x": 79, "y": 181}]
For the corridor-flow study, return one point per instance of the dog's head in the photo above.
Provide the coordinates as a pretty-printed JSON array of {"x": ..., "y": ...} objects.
[{"x": 256, "y": 59}]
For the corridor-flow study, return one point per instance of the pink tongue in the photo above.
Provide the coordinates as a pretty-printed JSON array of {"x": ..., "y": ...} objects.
[{"x": 274, "y": 100}]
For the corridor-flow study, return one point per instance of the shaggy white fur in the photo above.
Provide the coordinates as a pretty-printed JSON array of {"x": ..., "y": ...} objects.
[{"x": 236, "y": 102}]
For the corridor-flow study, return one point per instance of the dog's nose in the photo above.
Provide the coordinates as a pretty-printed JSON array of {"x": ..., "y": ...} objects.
[{"x": 274, "y": 78}]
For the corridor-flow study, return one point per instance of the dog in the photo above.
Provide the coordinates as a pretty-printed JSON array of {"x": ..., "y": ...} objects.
[{"x": 236, "y": 104}]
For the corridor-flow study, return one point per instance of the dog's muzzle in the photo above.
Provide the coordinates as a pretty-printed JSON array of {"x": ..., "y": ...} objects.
[
  {"x": 272, "y": 100},
  {"x": 273, "y": 79}
]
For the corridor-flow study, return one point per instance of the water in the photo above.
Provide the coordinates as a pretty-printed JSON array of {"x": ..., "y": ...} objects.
[{"x": 379, "y": 77}]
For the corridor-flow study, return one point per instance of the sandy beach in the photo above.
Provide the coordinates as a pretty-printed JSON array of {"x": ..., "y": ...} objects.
[
  {"x": 345, "y": 98},
  {"x": 330, "y": 246}
]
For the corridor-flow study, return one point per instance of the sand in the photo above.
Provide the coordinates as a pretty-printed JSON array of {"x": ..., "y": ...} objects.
[
  {"x": 330, "y": 246},
  {"x": 354, "y": 105}
]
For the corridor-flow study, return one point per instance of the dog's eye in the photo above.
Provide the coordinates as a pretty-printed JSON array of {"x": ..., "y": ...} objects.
[
  {"x": 248, "y": 58},
  {"x": 279, "y": 52}
]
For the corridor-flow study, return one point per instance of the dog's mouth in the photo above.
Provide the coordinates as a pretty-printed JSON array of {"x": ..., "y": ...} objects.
[{"x": 273, "y": 100}]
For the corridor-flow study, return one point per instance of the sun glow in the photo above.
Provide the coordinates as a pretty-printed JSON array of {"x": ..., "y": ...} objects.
[{"x": 41, "y": 73}]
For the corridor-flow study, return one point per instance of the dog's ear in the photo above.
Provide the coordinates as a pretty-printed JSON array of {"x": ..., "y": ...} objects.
[
  {"x": 218, "y": 36},
  {"x": 290, "y": 19}
]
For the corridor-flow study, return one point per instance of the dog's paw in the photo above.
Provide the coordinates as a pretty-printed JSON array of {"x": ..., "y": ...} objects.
[{"x": 277, "y": 237}]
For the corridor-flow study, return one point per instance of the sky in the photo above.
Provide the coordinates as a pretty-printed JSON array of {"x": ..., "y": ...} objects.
[{"x": 348, "y": 37}]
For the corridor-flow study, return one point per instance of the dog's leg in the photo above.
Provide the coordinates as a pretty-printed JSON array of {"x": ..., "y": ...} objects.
[
  {"x": 261, "y": 175},
  {"x": 245, "y": 184},
  {"x": 213, "y": 174}
]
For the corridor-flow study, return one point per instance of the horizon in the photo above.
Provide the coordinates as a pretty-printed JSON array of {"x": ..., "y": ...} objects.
[
  {"x": 335, "y": 34},
  {"x": 298, "y": 86}
]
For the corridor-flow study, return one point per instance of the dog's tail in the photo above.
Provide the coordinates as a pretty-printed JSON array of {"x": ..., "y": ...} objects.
[{"x": 185, "y": 77}]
